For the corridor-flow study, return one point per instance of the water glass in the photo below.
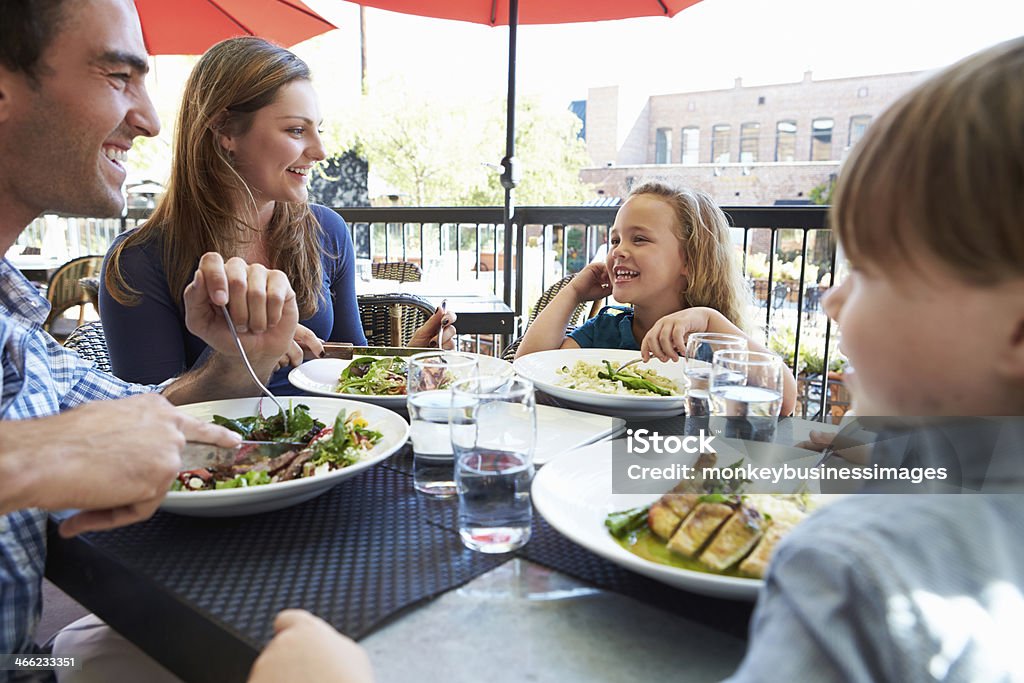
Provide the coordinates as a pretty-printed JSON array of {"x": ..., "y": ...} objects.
[
  {"x": 746, "y": 394},
  {"x": 493, "y": 433},
  {"x": 429, "y": 398},
  {"x": 700, "y": 349}
]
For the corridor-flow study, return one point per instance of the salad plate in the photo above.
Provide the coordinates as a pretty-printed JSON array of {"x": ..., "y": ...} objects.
[
  {"x": 543, "y": 369},
  {"x": 251, "y": 500},
  {"x": 322, "y": 377}
]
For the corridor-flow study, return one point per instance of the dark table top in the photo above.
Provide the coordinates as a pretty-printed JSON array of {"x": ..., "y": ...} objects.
[{"x": 200, "y": 594}]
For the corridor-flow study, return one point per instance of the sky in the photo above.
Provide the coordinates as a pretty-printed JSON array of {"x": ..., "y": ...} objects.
[{"x": 704, "y": 47}]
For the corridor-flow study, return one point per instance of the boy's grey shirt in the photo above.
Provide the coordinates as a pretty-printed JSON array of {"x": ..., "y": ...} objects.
[{"x": 903, "y": 588}]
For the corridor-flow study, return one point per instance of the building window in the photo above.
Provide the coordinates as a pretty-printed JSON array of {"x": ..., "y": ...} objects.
[
  {"x": 749, "y": 138},
  {"x": 858, "y": 125},
  {"x": 760, "y": 100},
  {"x": 785, "y": 141},
  {"x": 691, "y": 146},
  {"x": 821, "y": 139},
  {"x": 862, "y": 92},
  {"x": 720, "y": 134},
  {"x": 663, "y": 146}
]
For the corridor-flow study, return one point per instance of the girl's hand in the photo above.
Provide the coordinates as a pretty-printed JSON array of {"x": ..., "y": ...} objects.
[
  {"x": 305, "y": 345},
  {"x": 592, "y": 283},
  {"x": 666, "y": 341}
]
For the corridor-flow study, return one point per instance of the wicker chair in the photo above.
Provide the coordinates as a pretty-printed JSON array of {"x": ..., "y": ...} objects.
[
  {"x": 88, "y": 342},
  {"x": 547, "y": 297},
  {"x": 402, "y": 271},
  {"x": 64, "y": 291},
  {"x": 391, "y": 319}
]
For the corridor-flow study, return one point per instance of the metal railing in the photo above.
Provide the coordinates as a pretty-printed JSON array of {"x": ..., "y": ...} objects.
[{"x": 548, "y": 243}]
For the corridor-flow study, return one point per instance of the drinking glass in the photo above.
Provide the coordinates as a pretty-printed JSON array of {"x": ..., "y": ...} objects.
[
  {"x": 700, "y": 348},
  {"x": 429, "y": 398},
  {"x": 493, "y": 433},
  {"x": 746, "y": 394}
]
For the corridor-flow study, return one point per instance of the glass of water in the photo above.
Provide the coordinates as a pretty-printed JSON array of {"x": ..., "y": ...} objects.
[
  {"x": 493, "y": 433},
  {"x": 700, "y": 349},
  {"x": 746, "y": 394},
  {"x": 429, "y": 398}
]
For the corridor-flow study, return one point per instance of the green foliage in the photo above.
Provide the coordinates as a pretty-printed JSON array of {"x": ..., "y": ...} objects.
[
  {"x": 436, "y": 152},
  {"x": 822, "y": 193},
  {"x": 812, "y": 342},
  {"x": 757, "y": 268}
]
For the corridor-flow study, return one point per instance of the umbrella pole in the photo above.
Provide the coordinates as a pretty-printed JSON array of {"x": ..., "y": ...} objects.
[{"x": 510, "y": 171}]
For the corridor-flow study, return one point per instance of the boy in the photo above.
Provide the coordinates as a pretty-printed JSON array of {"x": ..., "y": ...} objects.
[{"x": 930, "y": 211}]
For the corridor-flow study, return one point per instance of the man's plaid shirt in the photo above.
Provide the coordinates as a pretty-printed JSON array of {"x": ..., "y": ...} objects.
[{"x": 39, "y": 378}]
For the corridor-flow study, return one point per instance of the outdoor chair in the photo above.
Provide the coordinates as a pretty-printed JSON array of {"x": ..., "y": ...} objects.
[
  {"x": 402, "y": 271},
  {"x": 64, "y": 290},
  {"x": 88, "y": 342},
  {"x": 779, "y": 294},
  {"x": 547, "y": 297},
  {"x": 391, "y": 319}
]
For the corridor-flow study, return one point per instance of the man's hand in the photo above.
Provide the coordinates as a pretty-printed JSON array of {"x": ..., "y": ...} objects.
[
  {"x": 307, "y": 649},
  {"x": 114, "y": 460},
  {"x": 426, "y": 334},
  {"x": 261, "y": 303}
]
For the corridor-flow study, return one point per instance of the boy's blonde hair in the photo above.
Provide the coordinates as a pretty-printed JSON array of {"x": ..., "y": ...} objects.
[
  {"x": 714, "y": 278},
  {"x": 942, "y": 172}
]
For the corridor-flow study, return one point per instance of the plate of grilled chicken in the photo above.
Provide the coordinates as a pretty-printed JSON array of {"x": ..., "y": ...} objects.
[{"x": 691, "y": 536}]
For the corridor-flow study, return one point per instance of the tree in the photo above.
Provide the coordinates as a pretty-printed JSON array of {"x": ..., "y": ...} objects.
[{"x": 437, "y": 152}]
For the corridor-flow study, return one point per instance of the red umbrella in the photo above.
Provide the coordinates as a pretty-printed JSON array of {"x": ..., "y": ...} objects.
[
  {"x": 507, "y": 12},
  {"x": 190, "y": 27},
  {"x": 496, "y": 12}
]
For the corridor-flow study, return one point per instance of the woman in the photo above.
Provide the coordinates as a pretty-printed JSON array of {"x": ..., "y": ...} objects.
[{"x": 245, "y": 143}]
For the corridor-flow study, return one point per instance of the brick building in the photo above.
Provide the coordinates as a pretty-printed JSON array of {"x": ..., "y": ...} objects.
[{"x": 744, "y": 145}]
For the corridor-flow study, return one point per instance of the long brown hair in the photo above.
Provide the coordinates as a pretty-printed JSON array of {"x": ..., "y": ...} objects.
[
  {"x": 199, "y": 212},
  {"x": 714, "y": 278}
]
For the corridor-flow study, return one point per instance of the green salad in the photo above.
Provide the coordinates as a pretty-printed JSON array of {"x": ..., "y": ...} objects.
[{"x": 374, "y": 377}]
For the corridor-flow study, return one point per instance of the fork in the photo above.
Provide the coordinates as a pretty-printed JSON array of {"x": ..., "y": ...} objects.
[
  {"x": 248, "y": 366},
  {"x": 628, "y": 363}
]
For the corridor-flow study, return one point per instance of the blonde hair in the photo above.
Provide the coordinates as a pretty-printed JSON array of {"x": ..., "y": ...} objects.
[
  {"x": 941, "y": 172},
  {"x": 229, "y": 84},
  {"x": 714, "y": 277}
]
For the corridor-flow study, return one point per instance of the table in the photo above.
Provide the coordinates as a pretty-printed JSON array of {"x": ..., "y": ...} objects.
[
  {"x": 36, "y": 268},
  {"x": 385, "y": 565},
  {"x": 480, "y": 311}
]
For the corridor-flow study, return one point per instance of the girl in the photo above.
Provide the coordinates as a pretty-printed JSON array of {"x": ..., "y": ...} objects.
[
  {"x": 245, "y": 144},
  {"x": 671, "y": 258}
]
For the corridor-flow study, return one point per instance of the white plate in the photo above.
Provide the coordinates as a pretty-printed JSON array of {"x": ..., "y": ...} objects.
[
  {"x": 560, "y": 430},
  {"x": 541, "y": 369},
  {"x": 256, "y": 499},
  {"x": 320, "y": 377},
  {"x": 574, "y": 494}
]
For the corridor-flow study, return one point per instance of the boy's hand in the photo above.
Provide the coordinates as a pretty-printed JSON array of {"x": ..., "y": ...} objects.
[
  {"x": 592, "y": 283},
  {"x": 307, "y": 649}
]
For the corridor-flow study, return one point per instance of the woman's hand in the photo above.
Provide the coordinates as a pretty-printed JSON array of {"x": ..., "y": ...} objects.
[
  {"x": 592, "y": 283},
  {"x": 305, "y": 346},
  {"x": 426, "y": 334}
]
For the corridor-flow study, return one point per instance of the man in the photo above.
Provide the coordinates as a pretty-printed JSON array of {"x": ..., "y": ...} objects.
[{"x": 72, "y": 99}]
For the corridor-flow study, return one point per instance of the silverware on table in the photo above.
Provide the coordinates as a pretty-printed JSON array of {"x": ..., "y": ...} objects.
[
  {"x": 627, "y": 364},
  {"x": 248, "y": 366}
]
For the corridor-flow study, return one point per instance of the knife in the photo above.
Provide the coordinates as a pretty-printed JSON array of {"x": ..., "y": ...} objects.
[
  {"x": 197, "y": 455},
  {"x": 346, "y": 351}
]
